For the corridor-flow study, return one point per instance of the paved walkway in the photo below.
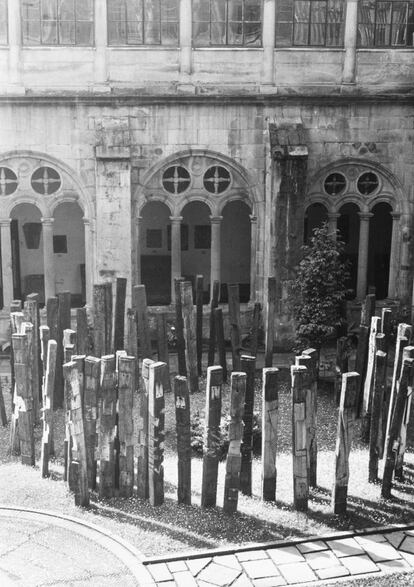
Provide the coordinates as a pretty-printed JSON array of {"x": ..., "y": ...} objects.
[{"x": 40, "y": 548}]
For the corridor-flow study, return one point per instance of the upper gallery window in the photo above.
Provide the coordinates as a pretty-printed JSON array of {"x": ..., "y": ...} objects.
[
  {"x": 143, "y": 22},
  {"x": 304, "y": 23},
  {"x": 227, "y": 22},
  {"x": 3, "y": 22},
  {"x": 386, "y": 24},
  {"x": 57, "y": 22}
]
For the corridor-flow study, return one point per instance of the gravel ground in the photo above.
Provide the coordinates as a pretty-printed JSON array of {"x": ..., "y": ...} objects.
[{"x": 173, "y": 527}]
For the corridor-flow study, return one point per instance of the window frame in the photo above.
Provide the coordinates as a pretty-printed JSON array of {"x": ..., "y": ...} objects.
[
  {"x": 125, "y": 42},
  {"x": 5, "y": 43},
  {"x": 308, "y": 45},
  {"x": 58, "y": 21},
  {"x": 226, "y": 45},
  {"x": 374, "y": 26}
]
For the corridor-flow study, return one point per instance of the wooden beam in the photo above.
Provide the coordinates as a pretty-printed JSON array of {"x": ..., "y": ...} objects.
[
  {"x": 183, "y": 427},
  {"x": 211, "y": 449}
]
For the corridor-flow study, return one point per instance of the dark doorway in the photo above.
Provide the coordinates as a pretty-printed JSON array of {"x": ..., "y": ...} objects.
[
  {"x": 348, "y": 226},
  {"x": 380, "y": 234}
]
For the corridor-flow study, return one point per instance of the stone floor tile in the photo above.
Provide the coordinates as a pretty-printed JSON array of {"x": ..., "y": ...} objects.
[
  {"x": 297, "y": 573},
  {"x": 313, "y": 546},
  {"x": 228, "y": 560},
  {"x": 218, "y": 575},
  {"x": 322, "y": 559},
  {"x": 370, "y": 538},
  {"x": 381, "y": 551},
  {"x": 395, "y": 566},
  {"x": 197, "y": 564},
  {"x": 285, "y": 555},
  {"x": 357, "y": 565},
  {"x": 184, "y": 579},
  {"x": 160, "y": 572},
  {"x": 260, "y": 568},
  {"x": 204, "y": 584},
  {"x": 407, "y": 544},
  {"x": 251, "y": 555},
  {"x": 177, "y": 566},
  {"x": 395, "y": 538},
  {"x": 332, "y": 572},
  {"x": 345, "y": 547},
  {"x": 269, "y": 582},
  {"x": 242, "y": 581},
  {"x": 407, "y": 556},
  {"x": 409, "y": 532}
]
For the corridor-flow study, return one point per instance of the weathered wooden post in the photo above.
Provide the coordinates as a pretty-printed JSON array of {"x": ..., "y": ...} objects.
[
  {"x": 163, "y": 354},
  {"x": 69, "y": 338},
  {"x": 221, "y": 345},
  {"x": 392, "y": 443},
  {"x": 16, "y": 321},
  {"x": 408, "y": 353},
  {"x": 183, "y": 426},
  {"x": 254, "y": 344},
  {"x": 375, "y": 437},
  {"x": 156, "y": 433},
  {"x": 346, "y": 419},
  {"x": 27, "y": 329},
  {"x": 368, "y": 309},
  {"x": 367, "y": 312},
  {"x": 187, "y": 307},
  {"x": 386, "y": 318},
  {"x": 15, "y": 306},
  {"x": 233, "y": 462},
  {"x": 126, "y": 389},
  {"x": 52, "y": 316},
  {"x": 300, "y": 443},
  {"x": 212, "y": 338},
  {"x": 83, "y": 346},
  {"x": 102, "y": 319},
  {"x": 32, "y": 315},
  {"x": 212, "y": 435},
  {"x": 248, "y": 366},
  {"x": 310, "y": 417},
  {"x": 199, "y": 322},
  {"x": 313, "y": 415},
  {"x": 341, "y": 366},
  {"x": 63, "y": 322},
  {"x": 24, "y": 400},
  {"x": 270, "y": 409},
  {"x": 91, "y": 402},
  {"x": 107, "y": 423},
  {"x": 139, "y": 304},
  {"x": 74, "y": 375},
  {"x": 47, "y": 401},
  {"x": 179, "y": 328},
  {"x": 119, "y": 325},
  {"x": 234, "y": 317},
  {"x": 369, "y": 378},
  {"x": 270, "y": 321},
  {"x": 142, "y": 461},
  {"x": 3, "y": 415}
]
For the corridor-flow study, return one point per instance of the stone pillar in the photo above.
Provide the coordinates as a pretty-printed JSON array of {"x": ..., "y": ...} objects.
[
  {"x": 186, "y": 33},
  {"x": 253, "y": 256},
  {"x": 15, "y": 40},
  {"x": 394, "y": 255},
  {"x": 362, "y": 275},
  {"x": 333, "y": 223},
  {"x": 350, "y": 42},
  {"x": 6, "y": 262},
  {"x": 269, "y": 30},
  {"x": 101, "y": 42},
  {"x": 49, "y": 258},
  {"x": 137, "y": 248},
  {"x": 175, "y": 251},
  {"x": 215, "y": 273},
  {"x": 89, "y": 264}
]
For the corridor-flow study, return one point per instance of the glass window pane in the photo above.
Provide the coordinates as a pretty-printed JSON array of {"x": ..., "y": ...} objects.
[
  {"x": 252, "y": 10},
  {"x": 170, "y": 10},
  {"x": 317, "y": 34},
  {"x": 301, "y": 34},
  {"x": 67, "y": 32},
  {"x": 218, "y": 33},
  {"x": 116, "y": 10},
  {"x": 31, "y": 9},
  {"x": 152, "y": 32},
  {"x": 116, "y": 33},
  {"x": 84, "y": 9},
  {"x": 201, "y": 34},
  {"x": 218, "y": 10},
  {"x": 3, "y": 22},
  {"x": 151, "y": 11},
  {"x": 235, "y": 10},
  {"x": 284, "y": 34},
  {"x": 366, "y": 26},
  {"x": 410, "y": 25},
  {"x": 235, "y": 33},
  {"x": 169, "y": 33},
  {"x": 201, "y": 10},
  {"x": 302, "y": 11},
  {"x": 49, "y": 10},
  {"x": 84, "y": 33},
  {"x": 253, "y": 33},
  {"x": 399, "y": 19},
  {"x": 134, "y": 33},
  {"x": 49, "y": 32},
  {"x": 67, "y": 10},
  {"x": 318, "y": 12},
  {"x": 31, "y": 32}
]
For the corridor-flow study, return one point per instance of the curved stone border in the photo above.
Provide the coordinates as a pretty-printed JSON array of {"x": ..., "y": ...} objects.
[{"x": 124, "y": 551}]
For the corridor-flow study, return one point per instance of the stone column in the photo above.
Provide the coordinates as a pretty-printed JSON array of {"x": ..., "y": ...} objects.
[
  {"x": 333, "y": 223},
  {"x": 186, "y": 26},
  {"x": 362, "y": 275},
  {"x": 48, "y": 258},
  {"x": 253, "y": 256},
  {"x": 137, "y": 248},
  {"x": 175, "y": 251},
  {"x": 89, "y": 264},
  {"x": 101, "y": 42},
  {"x": 6, "y": 262},
  {"x": 269, "y": 18},
  {"x": 15, "y": 40},
  {"x": 350, "y": 42},
  {"x": 215, "y": 271},
  {"x": 394, "y": 255}
]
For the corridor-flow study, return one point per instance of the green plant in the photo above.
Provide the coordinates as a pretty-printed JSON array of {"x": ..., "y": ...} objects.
[{"x": 319, "y": 290}]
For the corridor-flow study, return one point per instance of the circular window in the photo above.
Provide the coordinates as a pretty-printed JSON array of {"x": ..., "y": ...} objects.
[
  {"x": 45, "y": 181},
  {"x": 8, "y": 181},
  {"x": 367, "y": 183},
  {"x": 176, "y": 179},
  {"x": 334, "y": 184},
  {"x": 216, "y": 179}
]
